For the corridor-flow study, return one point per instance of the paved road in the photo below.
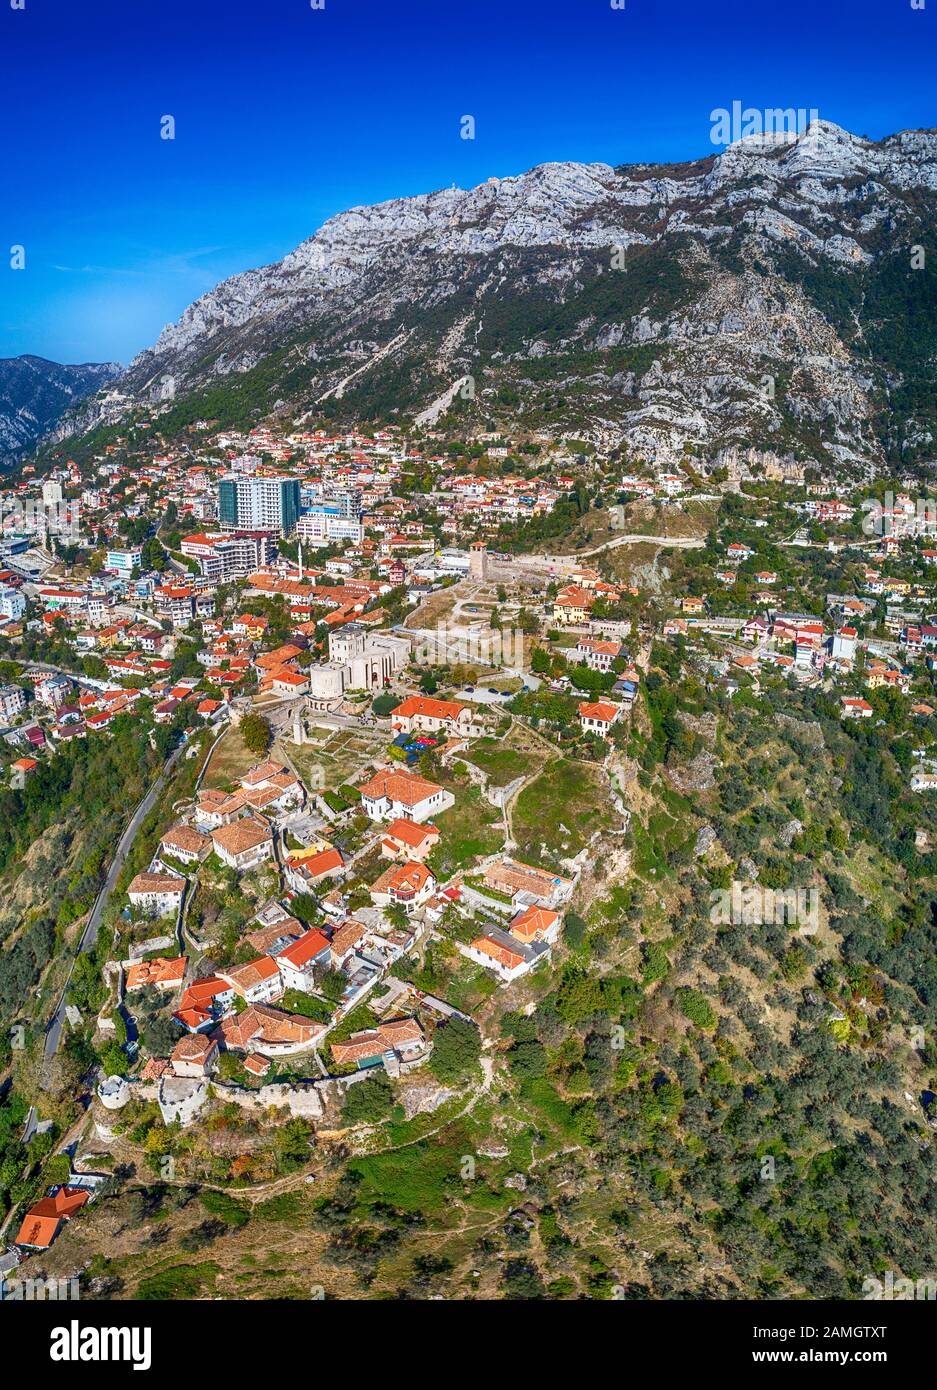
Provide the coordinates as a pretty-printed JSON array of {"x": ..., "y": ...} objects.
[{"x": 90, "y": 934}]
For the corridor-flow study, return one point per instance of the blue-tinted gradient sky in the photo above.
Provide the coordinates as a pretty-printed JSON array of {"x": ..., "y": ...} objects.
[{"x": 286, "y": 115}]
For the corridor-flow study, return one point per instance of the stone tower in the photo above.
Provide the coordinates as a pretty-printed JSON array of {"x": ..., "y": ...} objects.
[{"x": 478, "y": 560}]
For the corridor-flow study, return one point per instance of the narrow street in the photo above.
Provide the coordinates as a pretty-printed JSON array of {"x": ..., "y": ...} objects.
[{"x": 90, "y": 934}]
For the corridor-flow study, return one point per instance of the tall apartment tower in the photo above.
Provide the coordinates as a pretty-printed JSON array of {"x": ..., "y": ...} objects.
[{"x": 258, "y": 504}]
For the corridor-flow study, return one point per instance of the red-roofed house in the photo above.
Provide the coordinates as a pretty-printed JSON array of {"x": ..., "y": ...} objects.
[
  {"x": 408, "y": 885},
  {"x": 297, "y": 962},
  {"x": 419, "y": 712},
  {"x": 404, "y": 839},
  {"x": 599, "y": 717},
  {"x": 42, "y": 1222}
]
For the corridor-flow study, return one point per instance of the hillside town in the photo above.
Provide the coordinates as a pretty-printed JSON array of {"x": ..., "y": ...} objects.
[{"x": 404, "y": 731}]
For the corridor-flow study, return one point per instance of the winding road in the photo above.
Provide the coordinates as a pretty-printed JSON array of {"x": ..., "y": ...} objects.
[{"x": 90, "y": 934}]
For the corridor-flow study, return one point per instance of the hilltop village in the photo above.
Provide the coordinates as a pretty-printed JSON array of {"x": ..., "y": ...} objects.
[{"x": 401, "y": 700}]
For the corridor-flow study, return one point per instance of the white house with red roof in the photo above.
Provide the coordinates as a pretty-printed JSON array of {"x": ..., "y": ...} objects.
[
  {"x": 298, "y": 961},
  {"x": 598, "y": 717},
  {"x": 408, "y": 885},
  {"x": 851, "y": 707},
  {"x": 597, "y": 653},
  {"x": 420, "y": 713}
]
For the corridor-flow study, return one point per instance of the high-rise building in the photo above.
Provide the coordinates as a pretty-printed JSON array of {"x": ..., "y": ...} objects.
[
  {"x": 334, "y": 516},
  {"x": 348, "y": 502},
  {"x": 258, "y": 504}
]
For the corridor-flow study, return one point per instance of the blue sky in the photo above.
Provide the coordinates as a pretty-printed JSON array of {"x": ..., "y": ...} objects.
[{"x": 285, "y": 115}]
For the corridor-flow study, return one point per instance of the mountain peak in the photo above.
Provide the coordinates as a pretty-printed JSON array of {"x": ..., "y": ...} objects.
[{"x": 644, "y": 303}]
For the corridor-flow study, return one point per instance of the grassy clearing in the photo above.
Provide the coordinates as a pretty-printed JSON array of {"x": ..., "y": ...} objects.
[
  {"x": 340, "y": 758},
  {"x": 471, "y": 829},
  {"x": 179, "y": 1281},
  {"x": 557, "y": 814},
  {"x": 230, "y": 760},
  {"x": 500, "y": 762}
]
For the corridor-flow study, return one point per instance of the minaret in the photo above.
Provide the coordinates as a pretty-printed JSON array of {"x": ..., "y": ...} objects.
[{"x": 300, "y": 561}]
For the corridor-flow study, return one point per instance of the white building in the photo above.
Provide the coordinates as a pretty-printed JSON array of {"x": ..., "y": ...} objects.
[
  {"x": 298, "y": 961},
  {"x": 158, "y": 895},
  {"x": 12, "y": 603},
  {"x": 224, "y": 555},
  {"x": 502, "y": 953},
  {"x": 393, "y": 795},
  {"x": 844, "y": 644},
  {"x": 598, "y": 717},
  {"x": 596, "y": 653},
  {"x": 257, "y": 982},
  {"x": 358, "y": 660},
  {"x": 123, "y": 562},
  {"x": 53, "y": 690},
  {"x": 12, "y": 701},
  {"x": 853, "y": 707},
  {"x": 324, "y": 527},
  {"x": 243, "y": 844}
]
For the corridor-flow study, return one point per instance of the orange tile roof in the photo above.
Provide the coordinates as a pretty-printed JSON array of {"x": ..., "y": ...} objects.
[
  {"x": 255, "y": 972},
  {"x": 161, "y": 971},
  {"x": 42, "y": 1221},
  {"x": 497, "y": 952},
  {"x": 602, "y": 709},
  {"x": 301, "y": 952},
  {"x": 531, "y": 922},
  {"x": 431, "y": 709},
  {"x": 407, "y": 877},
  {"x": 345, "y": 937},
  {"x": 263, "y": 772},
  {"x": 193, "y": 1047},
  {"x": 156, "y": 883},
  {"x": 201, "y": 992},
  {"x": 242, "y": 835},
  {"x": 372, "y": 1041},
  {"x": 404, "y": 787},
  {"x": 327, "y": 861},
  {"x": 409, "y": 833},
  {"x": 185, "y": 838},
  {"x": 260, "y": 1024}
]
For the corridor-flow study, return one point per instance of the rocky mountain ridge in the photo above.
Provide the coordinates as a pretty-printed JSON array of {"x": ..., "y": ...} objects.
[{"x": 779, "y": 294}]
